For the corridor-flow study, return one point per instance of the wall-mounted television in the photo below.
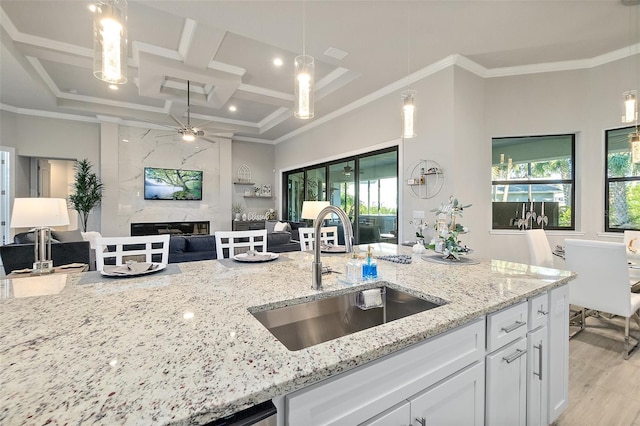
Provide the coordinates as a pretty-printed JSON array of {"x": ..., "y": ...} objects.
[{"x": 172, "y": 184}]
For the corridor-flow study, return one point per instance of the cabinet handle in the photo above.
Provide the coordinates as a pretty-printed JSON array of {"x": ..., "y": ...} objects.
[
  {"x": 422, "y": 421},
  {"x": 517, "y": 354},
  {"x": 513, "y": 326},
  {"x": 539, "y": 347},
  {"x": 543, "y": 312}
]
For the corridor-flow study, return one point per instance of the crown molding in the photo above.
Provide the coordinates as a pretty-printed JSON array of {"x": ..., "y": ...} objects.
[{"x": 48, "y": 114}]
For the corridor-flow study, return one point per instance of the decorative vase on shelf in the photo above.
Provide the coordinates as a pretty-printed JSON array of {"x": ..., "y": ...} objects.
[
  {"x": 238, "y": 216},
  {"x": 244, "y": 216}
]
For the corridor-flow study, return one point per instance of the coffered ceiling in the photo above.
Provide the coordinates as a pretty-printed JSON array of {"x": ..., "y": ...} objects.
[{"x": 226, "y": 50}]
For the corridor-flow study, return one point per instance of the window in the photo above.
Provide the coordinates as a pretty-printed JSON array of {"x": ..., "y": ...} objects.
[
  {"x": 533, "y": 182},
  {"x": 364, "y": 186},
  {"x": 622, "y": 189}
]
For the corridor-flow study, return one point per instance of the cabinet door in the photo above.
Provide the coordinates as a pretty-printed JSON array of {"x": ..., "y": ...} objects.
[
  {"x": 558, "y": 330},
  {"x": 458, "y": 400},
  {"x": 507, "y": 385},
  {"x": 400, "y": 415},
  {"x": 537, "y": 377}
]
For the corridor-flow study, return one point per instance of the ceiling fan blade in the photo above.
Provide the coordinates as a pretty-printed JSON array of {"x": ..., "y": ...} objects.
[{"x": 176, "y": 120}]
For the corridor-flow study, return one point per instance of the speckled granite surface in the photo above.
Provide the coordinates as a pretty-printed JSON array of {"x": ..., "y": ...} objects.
[{"x": 184, "y": 348}]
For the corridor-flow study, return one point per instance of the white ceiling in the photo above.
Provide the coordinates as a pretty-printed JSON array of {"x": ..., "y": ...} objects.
[{"x": 226, "y": 48}]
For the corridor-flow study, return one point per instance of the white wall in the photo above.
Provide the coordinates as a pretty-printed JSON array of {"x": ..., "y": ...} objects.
[
  {"x": 260, "y": 159},
  {"x": 458, "y": 114}
]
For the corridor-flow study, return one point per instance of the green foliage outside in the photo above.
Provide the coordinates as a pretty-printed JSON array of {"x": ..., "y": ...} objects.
[{"x": 189, "y": 180}]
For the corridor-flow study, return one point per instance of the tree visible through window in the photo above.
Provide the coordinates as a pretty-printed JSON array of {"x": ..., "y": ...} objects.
[
  {"x": 622, "y": 183},
  {"x": 533, "y": 182}
]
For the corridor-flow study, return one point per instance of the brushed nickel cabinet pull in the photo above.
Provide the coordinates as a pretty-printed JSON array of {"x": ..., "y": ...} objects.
[
  {"x": 513, "y": 326},
  {"x": 422, "y": 421},
  {"x": 517, "y": 354},
  {"x": 539, "y": 347}
]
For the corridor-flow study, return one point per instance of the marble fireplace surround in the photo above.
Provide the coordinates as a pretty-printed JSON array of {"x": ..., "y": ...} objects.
[{"x": 139, "y": 148}]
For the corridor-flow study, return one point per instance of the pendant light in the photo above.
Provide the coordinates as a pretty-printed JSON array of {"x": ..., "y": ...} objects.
[
  {"x": 304, "y": 79},
  {"x": 408, "y": 96},
  {"x": 110, "y": 41},
  {"x": 630, "y": 97}
]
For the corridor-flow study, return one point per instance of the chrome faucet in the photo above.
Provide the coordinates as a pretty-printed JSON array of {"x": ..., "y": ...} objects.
[{"x": 348, "y": 240}]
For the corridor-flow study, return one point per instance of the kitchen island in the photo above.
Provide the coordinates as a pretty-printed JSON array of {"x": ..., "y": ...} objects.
[{"x": 183, "y": 348}]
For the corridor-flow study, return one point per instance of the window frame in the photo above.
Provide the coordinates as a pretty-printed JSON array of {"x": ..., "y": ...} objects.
[
  {"x": 608, "y": 180},
  {"x": 537, "y": 181}
]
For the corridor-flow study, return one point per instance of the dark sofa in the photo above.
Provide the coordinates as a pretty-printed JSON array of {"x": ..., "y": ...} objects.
[
  {"x": 190, "y": 248},
  {"x": 21, "y": 256}
]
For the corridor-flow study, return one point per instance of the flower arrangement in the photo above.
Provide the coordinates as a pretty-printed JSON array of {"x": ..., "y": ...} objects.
[
  {"x": 420, "y": 226},
  {"x": 448, "y": 229}
]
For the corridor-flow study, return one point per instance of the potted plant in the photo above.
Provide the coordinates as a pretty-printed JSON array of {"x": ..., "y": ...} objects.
[
  {"x": 87, "y": 191},
  {"x": 237, "y": 208}
]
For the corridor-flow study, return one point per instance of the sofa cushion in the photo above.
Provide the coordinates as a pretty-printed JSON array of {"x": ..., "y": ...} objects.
[
  {"x": 67, "y": 236},
  {"x": 276, "y": 238},
  {"x": 201, "y": 243},
  {"x": 177, "y": 244},
  {"x": 24, "y": 238},
  {"x": 282, "y": 227}
]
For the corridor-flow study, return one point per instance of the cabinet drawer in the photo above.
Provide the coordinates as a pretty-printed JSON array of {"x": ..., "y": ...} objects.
[
  {"x": 507, "y": 325},
  {"x": 538, "y": 311}
]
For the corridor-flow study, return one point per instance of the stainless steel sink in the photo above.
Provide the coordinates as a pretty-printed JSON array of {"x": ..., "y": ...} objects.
[{"x": 306, "y": 324}]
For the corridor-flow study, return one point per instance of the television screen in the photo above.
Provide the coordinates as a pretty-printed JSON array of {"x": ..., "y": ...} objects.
[{"x": 172, "y": 184}]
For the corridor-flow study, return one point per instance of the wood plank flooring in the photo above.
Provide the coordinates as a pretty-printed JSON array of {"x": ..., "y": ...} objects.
[{"x": 604, "y": 389}]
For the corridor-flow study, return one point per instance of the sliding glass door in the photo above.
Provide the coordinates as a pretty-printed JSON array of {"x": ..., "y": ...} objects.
[{"x": 364, "y": 186}]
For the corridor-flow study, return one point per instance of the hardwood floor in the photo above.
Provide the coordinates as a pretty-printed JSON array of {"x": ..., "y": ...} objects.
[{"x": 604, "y": 389}]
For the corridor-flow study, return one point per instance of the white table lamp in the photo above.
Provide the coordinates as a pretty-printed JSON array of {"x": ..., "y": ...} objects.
[
  {"x": 40, "y": 214},
  {"x": 311, "y": 209}
]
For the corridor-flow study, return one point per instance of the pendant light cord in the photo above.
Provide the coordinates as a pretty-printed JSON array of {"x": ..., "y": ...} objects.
[
  {"x": 408, "y": 43},
  {"x": 304, "y": 19}
]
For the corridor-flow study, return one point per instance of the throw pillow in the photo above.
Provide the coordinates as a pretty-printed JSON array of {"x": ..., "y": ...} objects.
[
  {"x": 67, "y": 236},
  {"x": 281, "y": 227}
]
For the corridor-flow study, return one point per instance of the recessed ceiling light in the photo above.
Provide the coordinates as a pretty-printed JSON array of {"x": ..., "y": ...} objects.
[
  {"x": 125, "y": 140},
  {"x": 232, "y": 108},
  {"x": 92, "y": 8},
  {"x": 113, "y": 87},
  {"x": 278, "y": 62}
]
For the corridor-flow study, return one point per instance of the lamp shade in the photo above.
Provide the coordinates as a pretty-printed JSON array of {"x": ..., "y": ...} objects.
[
  {"x": 39, "y": 212},
  {"x": 311, "y": 209}
]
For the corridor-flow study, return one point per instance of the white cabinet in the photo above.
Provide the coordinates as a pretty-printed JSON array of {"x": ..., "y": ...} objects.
[
  {"x": 458, "y": 400},
  {"x": 400, "y": 415},
  {"x": 558, "y": 351},
  {"x": 537, "y": 377},
  {"x": 507, "y": 385},
  {"x": 360, "y": 394}
]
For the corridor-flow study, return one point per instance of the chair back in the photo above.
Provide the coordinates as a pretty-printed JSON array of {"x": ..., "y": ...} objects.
[
  {"x": 246, "y": 240},
  {"x": 328, "y": 235},
  {"x": 632, "y": 243},
  {"x": 124, "y": 248},
  {"x": 540, "y": 253},
  {"x": 603, "y": 276}
]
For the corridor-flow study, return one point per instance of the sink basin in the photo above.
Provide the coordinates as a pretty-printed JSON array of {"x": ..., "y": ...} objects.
[{"x": 309, "y": 323}]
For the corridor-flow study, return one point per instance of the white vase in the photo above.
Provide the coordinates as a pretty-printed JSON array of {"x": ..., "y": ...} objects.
[
  {"x": 244, "y": 216},
  {"x": 238, "y": 216}
]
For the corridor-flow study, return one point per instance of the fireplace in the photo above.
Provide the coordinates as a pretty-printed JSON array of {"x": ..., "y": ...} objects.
[{"x": 155, "y": 228}]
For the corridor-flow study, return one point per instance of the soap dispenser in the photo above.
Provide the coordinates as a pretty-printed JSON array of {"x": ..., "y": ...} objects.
[
  {"x": 370, "y": 267},
  {"x": 354, "y": 269}
]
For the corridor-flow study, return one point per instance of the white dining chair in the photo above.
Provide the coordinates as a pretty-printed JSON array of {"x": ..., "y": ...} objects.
[
  {"x": 240, "y": 241},
  {"x": 540, "y": 253},
  {"x": 131, "y": 248},
  {"x": 602, "y": 283},
  {"x": 328, "y": 235}
]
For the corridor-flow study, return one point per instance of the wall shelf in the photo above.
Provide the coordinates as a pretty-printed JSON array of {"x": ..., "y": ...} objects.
[
  {"x": 243, "y": 183},
  {"x": 258, "y": 196},
  {"x": 426, "y": 179}
]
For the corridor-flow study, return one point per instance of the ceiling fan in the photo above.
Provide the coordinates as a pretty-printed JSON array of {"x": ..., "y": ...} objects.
[{"x": 188, "y": 132}]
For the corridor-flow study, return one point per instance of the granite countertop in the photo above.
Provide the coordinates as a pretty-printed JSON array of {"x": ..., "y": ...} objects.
[{"x": 182, "y": 347}]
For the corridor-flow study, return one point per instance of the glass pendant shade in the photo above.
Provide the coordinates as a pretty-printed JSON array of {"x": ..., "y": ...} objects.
[
  {"x": 630, "y": 112},
  {"x": 110, "y": 41},
  {"x": 305, "y": 87},
  {"x": 408, "y": 114},
  {"x": 634, "y": 146}
]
